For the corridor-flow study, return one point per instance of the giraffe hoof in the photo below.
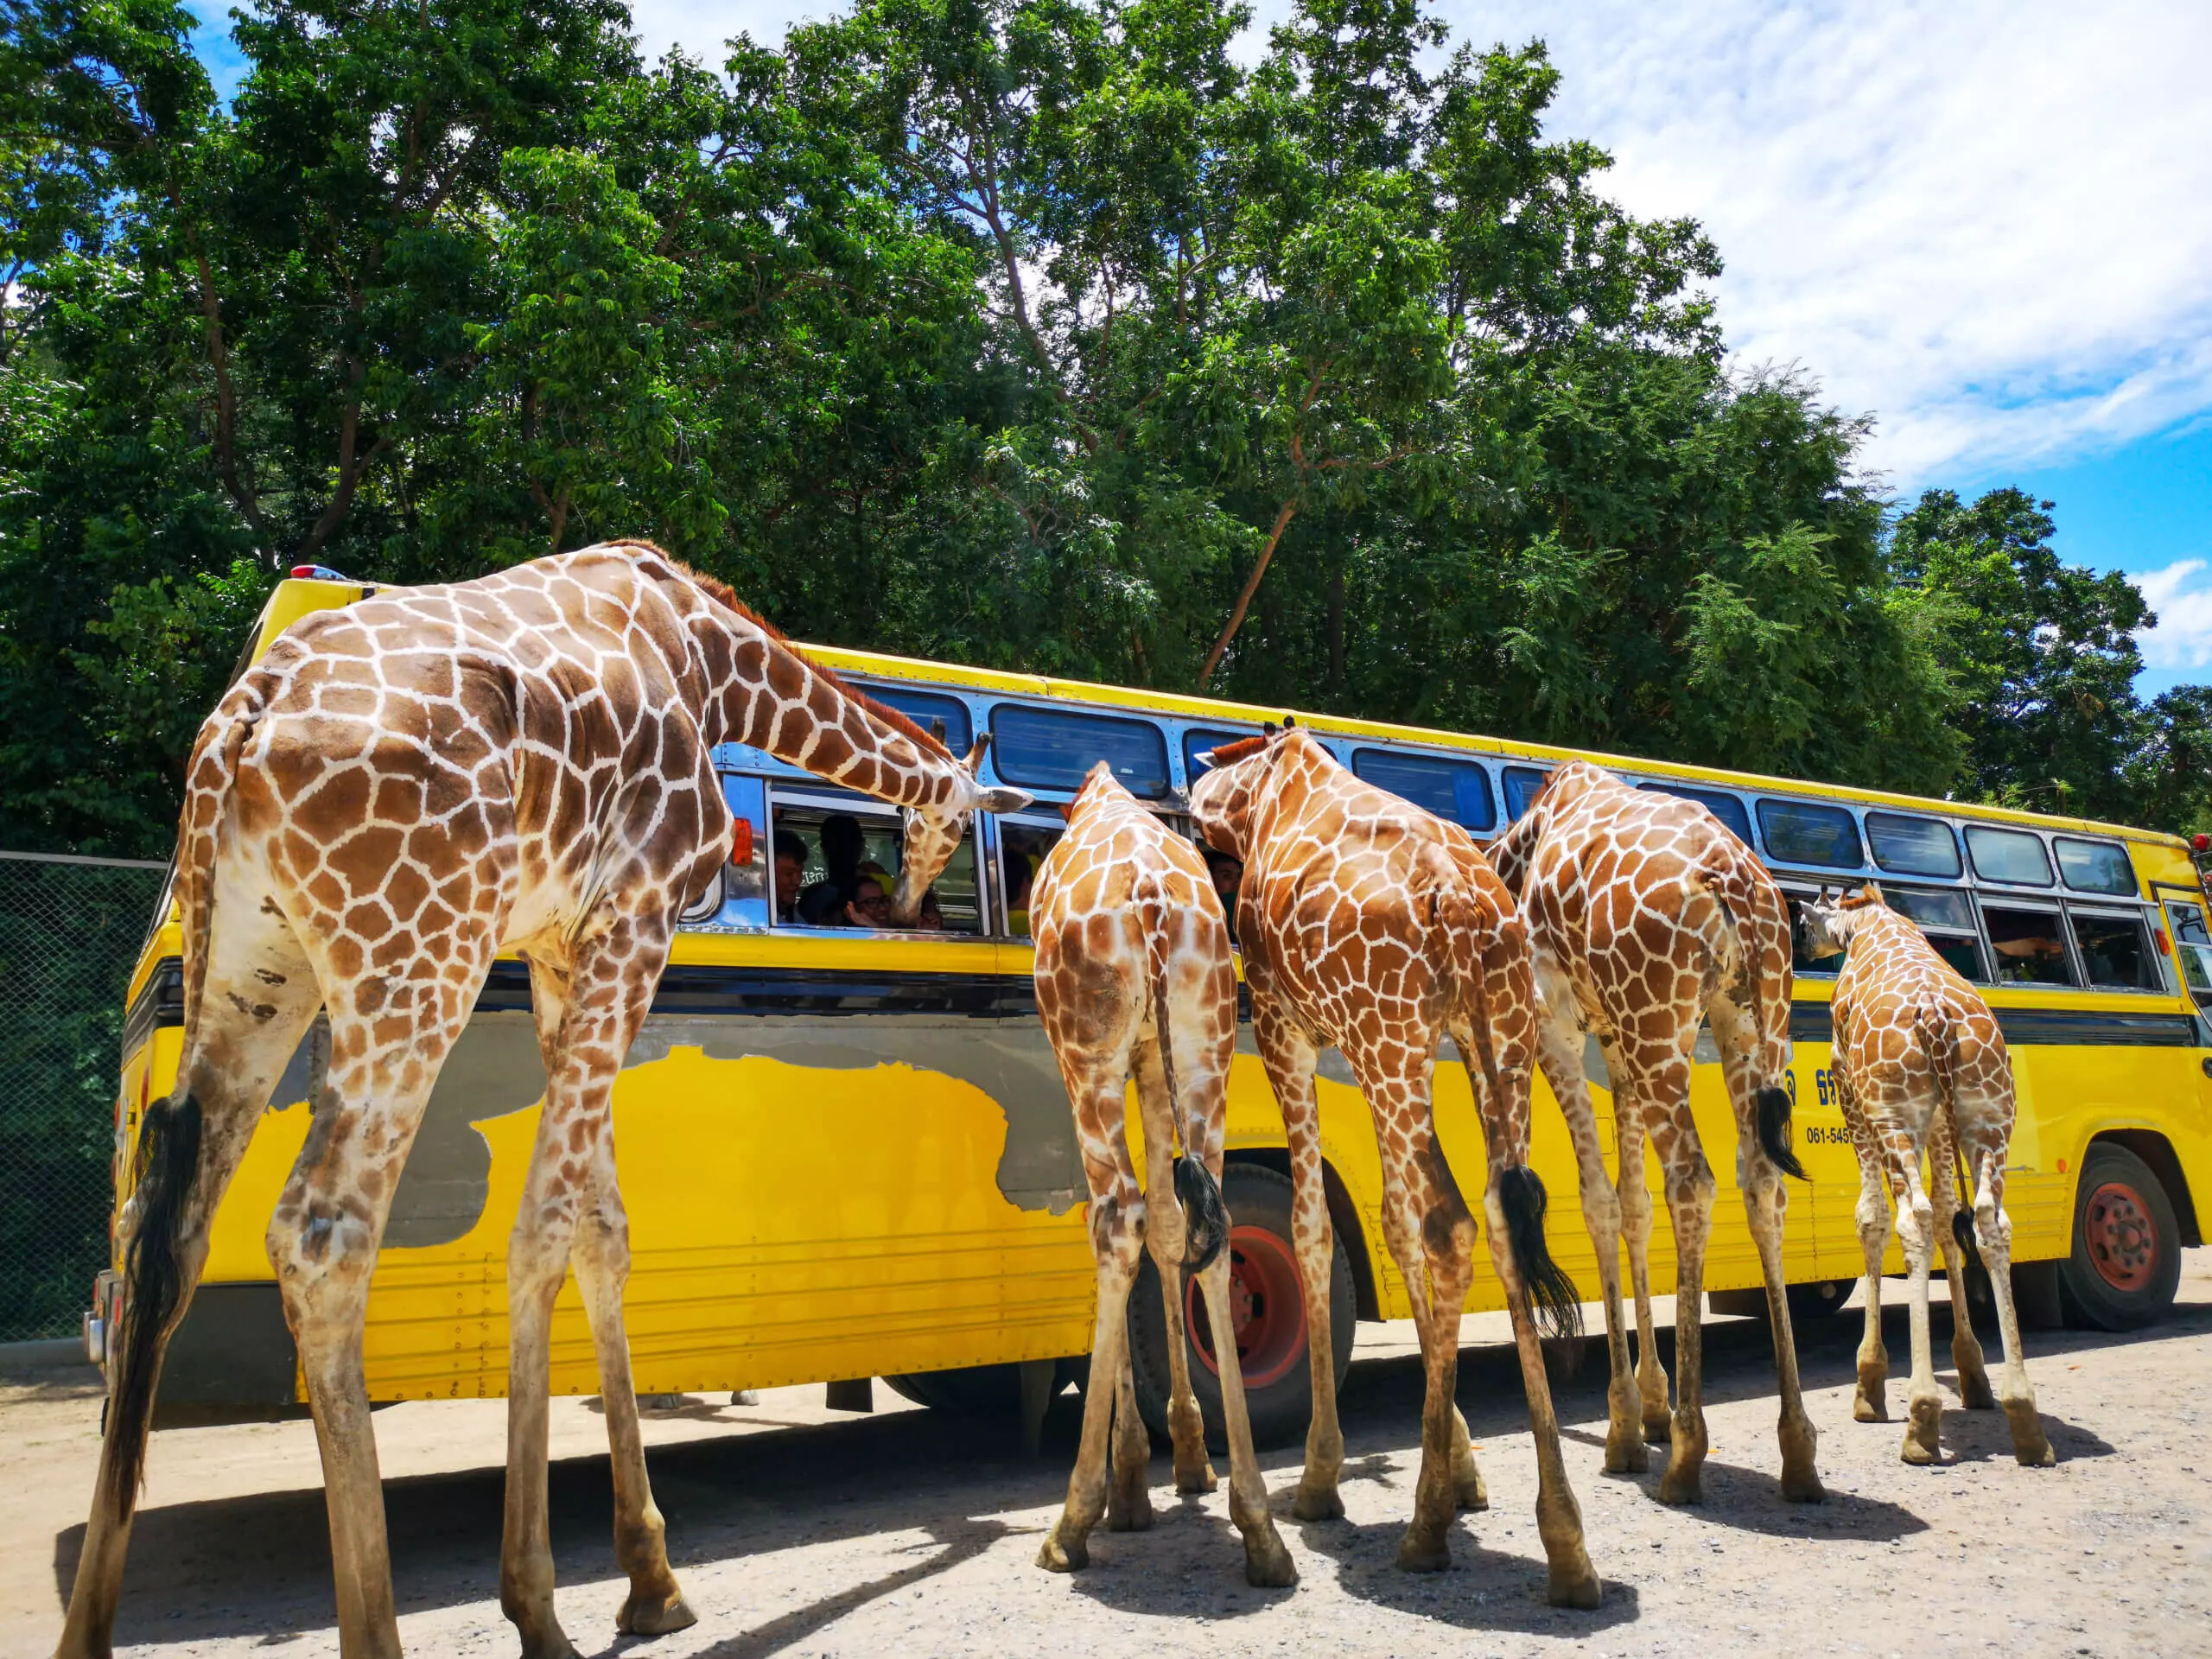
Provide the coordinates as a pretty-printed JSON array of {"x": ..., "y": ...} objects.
[
  {"x": 1917, "y": 1455},
  {"x": 655, "y": 1615},
  {"x": 1974, "y": 1392},
  {"x": 1682, "y": 1486},
  {"x": 1802, "y": 1486},
  {"x": 1625, "y": 1453},
  {"x": 1923, "y": 1444},
  {"x": 1421, "y": 1551},
  {"x": 553, "y": 1646},
  {"x": 1658, "y": 1431},
  {"x": 2029, "y": 1444},
  {"x": 1063, "y": 1555},
  {"x": 1472, "y": 1493},
  {"x": 1576, "y": 1587},
  {"x": 1268, "y": 1565},
  {"x": 1197, "y": 1483},
  {"x": 1870, "y": 1408},
  {"x": 1318, "y": 1503}
]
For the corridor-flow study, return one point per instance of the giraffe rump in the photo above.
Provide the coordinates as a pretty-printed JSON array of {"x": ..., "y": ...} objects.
[{"x": 168, "y": 1166}]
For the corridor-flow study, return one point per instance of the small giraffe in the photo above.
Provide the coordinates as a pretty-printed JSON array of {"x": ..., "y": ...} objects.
[
  {"x": 1921, "y": 1067},
  {"x": 1648, "y": 917},
  {"x": 397, "y": 791},
  {"x": 1134, "y": 979},
  {"x": 1372, "y": 926}
]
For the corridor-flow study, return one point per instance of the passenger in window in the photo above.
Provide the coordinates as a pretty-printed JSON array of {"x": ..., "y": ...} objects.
[
  {"x": 1228, "y": 876},
  {"x": 870, "y": 905},
  {"x": 791, "y": 873},
  {"x": 2029, "y": 958},
  {"x": 824, "y": 903}
]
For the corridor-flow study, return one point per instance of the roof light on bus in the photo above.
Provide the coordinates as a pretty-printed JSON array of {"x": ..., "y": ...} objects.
[
  {"x": 2199, "y": 843},
  {"x": 317, "y": 573}
]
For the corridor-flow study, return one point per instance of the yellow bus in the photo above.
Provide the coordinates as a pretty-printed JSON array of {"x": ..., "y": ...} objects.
[{"x": 847, "y": 1153}]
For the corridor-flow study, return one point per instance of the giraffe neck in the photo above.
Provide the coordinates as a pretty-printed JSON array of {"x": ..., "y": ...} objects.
[{"x": 762, "y": 693}]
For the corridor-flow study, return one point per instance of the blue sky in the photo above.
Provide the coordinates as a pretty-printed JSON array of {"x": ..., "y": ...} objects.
[{"x": 1983, "y": 221}]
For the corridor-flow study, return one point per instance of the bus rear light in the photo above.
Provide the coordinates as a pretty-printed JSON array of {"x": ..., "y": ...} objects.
[{"x": 740, "y": 840}]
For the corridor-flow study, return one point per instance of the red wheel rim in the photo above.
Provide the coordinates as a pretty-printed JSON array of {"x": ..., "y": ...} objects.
[
  {"x": 1265, "y": 1300},
  {"x": 2122, "y": 1240}
]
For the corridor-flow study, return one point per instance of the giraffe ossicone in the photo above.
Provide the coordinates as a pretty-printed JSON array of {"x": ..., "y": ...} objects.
[
  {"x": 1922, "y": 1070},
  {"x": 398, "y": 791}
]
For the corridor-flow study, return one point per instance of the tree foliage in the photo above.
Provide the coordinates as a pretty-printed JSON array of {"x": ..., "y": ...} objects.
[{"x": 1035, "y": 333}]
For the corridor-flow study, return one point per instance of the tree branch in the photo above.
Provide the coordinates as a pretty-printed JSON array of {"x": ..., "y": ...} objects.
[{"x": 1252, "y": 587}]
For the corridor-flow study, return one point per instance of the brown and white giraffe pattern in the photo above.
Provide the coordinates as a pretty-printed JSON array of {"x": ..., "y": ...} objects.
[
  {"x": 1646, "y": 917},
  {"x": 1372, "y": 926},
  {"x": 1922, "y": 1069},
  {"x": 397, "y": 791},
  {"x": 1135, "y": 982}
]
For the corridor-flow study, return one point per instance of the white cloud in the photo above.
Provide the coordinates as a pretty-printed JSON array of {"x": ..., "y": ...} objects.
[
  {"x": 2180, "y": 593},
  {"x": 1986, "y": 221}
]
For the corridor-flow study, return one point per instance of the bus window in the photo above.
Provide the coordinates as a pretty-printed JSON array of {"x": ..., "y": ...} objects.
[
  {"x": 1913, "y": 846},
  {"x": 1725, "y": 807},
  {"x": 925, "y": 710},
  {"x": 1022, "y": 848},
  {"x": 1196, "y": 742},
  {"x": 2010, "y": 856},
  {"x": 2192, "y": 946},
  {"x": 1054, "y": 748},
  {"x": 2094, "y": 866},
  {"x": 1798, "y": 832},
  {"x": 1523, "y": 785},
  {"x": 1457, "y": 790},
  {"x": 1799, "y": 961},
  {"x": 1947, "y": 920},
  {"x": 2029, "y": 946},
  {"x": 850, "y": 868},
  {"x": 2115, "y": 954}
]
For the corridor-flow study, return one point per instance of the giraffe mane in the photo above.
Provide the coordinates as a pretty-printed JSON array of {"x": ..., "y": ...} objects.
[
  {"x": 724, "y": 595},
  {"x": 1228, "y": 754}
]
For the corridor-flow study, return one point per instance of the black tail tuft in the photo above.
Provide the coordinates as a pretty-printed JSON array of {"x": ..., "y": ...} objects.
[
  {"x": 1557, "y": 1303},
  {"x": 1205, "y": 1218},
  {"x": 168, "y": 1166},
  {"x": 1772, "y": 1106},
  {"x": 1963, "y": 1229}
]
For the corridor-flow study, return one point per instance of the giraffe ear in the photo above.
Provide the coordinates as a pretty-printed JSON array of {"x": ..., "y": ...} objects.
[
  {"x": 976, "y": 751},
  {"x": 1267, "y": 729}
]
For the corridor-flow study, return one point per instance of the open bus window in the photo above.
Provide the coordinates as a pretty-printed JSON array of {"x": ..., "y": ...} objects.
[
  {"x": 1801, "y": 960},
  {"x": 2030, "y": 948},
  {"x": 847, "y": 867},
  {"x": 2192, "y": 946},
  {"x": 2115, "y": 954},
  {"x": 1022, "y": 848}
]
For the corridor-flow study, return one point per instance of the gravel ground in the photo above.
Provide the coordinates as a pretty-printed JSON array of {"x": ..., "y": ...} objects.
[{"x": 798, "y": 1531}]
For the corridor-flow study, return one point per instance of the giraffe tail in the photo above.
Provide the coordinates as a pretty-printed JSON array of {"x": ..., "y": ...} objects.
[
  {"x": 167, "y": 1161},
  {"x": 1749, "y": 929},
  {"x": 1205, "y": 1217},
  {"x": 1937, "y": 1038}
]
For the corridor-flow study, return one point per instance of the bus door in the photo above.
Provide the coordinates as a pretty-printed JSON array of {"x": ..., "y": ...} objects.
[{"x": 2187, "y": 935}]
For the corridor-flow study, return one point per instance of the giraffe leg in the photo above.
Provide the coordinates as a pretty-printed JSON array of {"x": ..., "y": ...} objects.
[
  {"x": 1635, "y": 1199},
  {"x": 1290, "y": 1058},
  {"x": 389, "y": 1034},
  {"x": 1163, "y": 1238},
  {"x": 1267, "y": 1563},
  {"x": 1116, "y": 1224},
  {"x": 1128, "y": 1505},
  {"x": 1690, "y": 1188},
  {"x": 1916, "y": 1231},
  {"x": 1869, "y": 1403},
  {"x": 1559, "y": 1047},
  {"x": 1985, "y": 1144},
  {"x": 229, "y": 1069},
  {"x": 1966, "y": 1348}
]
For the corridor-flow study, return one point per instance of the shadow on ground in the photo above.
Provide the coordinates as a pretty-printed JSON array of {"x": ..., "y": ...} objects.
[{"x": 204, "y": 1570}]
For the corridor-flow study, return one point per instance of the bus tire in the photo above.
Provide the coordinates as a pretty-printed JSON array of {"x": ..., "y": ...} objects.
[
  {"x": 2126, "y": 1263},
  {"x": 979, "y": 1390},
  {"x": 1278, "y": 1374}
]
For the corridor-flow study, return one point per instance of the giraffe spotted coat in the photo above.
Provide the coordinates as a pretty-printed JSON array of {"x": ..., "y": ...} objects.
[{"x": 397, "y": 792}]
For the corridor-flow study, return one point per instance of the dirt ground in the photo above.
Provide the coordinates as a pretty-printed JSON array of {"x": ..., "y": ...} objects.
[{"x": 799, "y": 1530}]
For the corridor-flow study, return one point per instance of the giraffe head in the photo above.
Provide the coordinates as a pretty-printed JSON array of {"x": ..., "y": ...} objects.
[
  {"x": 1224, "y": 801},
  {"x": 930, "y": 834},
  {"x": 1825, "y": 925}
]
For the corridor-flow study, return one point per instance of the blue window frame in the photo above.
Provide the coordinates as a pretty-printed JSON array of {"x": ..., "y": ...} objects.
[
  {"x": 1457, "y": 789},
  {"x": 1523, "y": 785},
  {"x": 1725, "y": 807},
  {"x": 1198, "y": 742},
  {"x": 2010, "y": 856},
  {"x": 1913, "y": 846},
  {"x": 925, "y": 707},
  {"x": 1054, "y": 748},
  {"x": 2094, "y": 866},
  {"x": 1798, "y": 832}
]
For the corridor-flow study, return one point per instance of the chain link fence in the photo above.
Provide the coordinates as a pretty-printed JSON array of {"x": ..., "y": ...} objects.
[{"x": 70, "y": 929}]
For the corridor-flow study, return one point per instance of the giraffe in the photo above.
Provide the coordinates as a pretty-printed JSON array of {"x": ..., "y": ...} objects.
[
  {"x": 397, "y": 791},
  {"x": 1372, "y": 926},
  {"x": 1921, "y": 1067},
  {"x": 1134, "y": 979},
  {"x": 1646, "y": 916}
]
